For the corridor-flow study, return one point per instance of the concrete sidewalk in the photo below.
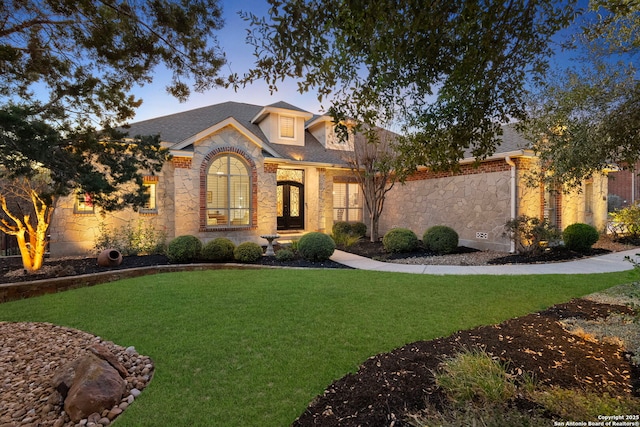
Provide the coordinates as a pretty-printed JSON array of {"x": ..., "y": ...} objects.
[{"x": 601, "y": 264}]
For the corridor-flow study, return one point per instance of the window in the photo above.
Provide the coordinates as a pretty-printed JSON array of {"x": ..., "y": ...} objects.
[
  {"x": 228, "y": 192},
  {"x": 84, "y": 204},
  {"x": 287, "y": 127},
  {"x": 347, "y": 202},
  {"x": 150, "y": 190}
]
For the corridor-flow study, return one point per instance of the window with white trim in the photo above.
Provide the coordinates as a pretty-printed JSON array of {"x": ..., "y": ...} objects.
[
  {"x": 228, "y": 192},
  {"x": 347, "y": 202},
  {"x": 287, "y": 127}
]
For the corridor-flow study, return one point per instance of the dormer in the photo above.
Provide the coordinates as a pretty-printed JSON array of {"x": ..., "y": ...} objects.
[
  {"x": 283, "y": 123},
  {"x": 323, "y": 129}
]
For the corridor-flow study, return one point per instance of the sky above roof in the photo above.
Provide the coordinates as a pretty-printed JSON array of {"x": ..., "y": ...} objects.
[{"x": 157, "y": 102}]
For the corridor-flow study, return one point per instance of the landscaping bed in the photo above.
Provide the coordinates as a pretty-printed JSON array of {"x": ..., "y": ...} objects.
[{"x": 542, "y": 357}]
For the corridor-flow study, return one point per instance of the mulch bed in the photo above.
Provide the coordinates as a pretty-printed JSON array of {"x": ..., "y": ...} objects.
[{"x": 389, "y": 385}]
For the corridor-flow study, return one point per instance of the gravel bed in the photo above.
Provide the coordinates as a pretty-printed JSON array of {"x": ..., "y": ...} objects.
[
  {"x": 30, "y": 354},
  {"x": 471, "y": 258}
]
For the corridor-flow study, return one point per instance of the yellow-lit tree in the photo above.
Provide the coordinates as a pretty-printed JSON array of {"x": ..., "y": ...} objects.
[{"x": 26, "y": 214}]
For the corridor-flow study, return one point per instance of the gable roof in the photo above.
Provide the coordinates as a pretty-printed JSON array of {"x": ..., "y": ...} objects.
[{"x": 180, "y": 130}]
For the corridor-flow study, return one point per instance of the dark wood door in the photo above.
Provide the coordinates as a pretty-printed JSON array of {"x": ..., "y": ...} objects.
[{"x": 290, "y": 205}]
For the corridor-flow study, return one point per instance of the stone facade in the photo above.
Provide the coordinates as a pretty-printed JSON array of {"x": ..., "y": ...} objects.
[{"x": 180, "y": 200}]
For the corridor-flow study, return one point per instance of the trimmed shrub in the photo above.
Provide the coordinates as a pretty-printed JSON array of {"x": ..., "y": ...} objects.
[
  {"x": 400, "y": 240},
  {"x": 529, "y": 233},
  {"x": 359, "y": 229},
  {"x": 316, "y": 246},
  {"x": 184, "y": 249},
  {"x": 341, "y": 227},
  {"x": 349, "y": 228},
  {"x": 285, "y": 255},
  {"x": 441, "y": 239},
  {"x": 580, "y": 237},
  {"x": 248, "y": 252},
  {"x": 219, "y": 249}
]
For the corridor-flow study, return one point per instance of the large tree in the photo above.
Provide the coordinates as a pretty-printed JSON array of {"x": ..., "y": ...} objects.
[
  {"x": 586, "y": 118},
  {"x": 451, "y": 71},
  {"x": 67, "y": 69}
]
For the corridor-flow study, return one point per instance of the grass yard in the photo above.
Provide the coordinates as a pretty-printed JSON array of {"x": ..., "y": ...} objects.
[{"x": 253, "y": 347}]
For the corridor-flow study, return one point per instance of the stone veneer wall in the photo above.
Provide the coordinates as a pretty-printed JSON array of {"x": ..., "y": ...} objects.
[
  {"x": 74, "y": 233},
  {"x": 477, "y": 200}
]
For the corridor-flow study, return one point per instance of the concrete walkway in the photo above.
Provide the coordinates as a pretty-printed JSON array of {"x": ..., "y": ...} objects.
[{"x": 601, "y": 264}]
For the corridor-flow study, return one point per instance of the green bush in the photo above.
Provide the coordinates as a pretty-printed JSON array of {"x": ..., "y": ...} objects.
[
  {"x": 142, "y": 239},
  {"x": 184, "y": 249},
  {"x": 341, "y": 227},
  {"x": 219, "y": 249},
  {"x": 400, "y": 240},
  {"x": 580, "y": 237},
  {"x": 441, "y": 239},
  {"x": 627, "y": 221},
  {"x": 359, "y": 229},
  {"x": 248, "y": 252},
  {"x": 316, "y": 246},
  {"x": 349, "y": 228},
  {"x": 285, "y": 255},
  {"x": 529, "y": 233}
]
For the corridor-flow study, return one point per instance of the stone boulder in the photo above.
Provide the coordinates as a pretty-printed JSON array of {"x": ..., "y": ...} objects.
[{"x": 95, "y": 386}]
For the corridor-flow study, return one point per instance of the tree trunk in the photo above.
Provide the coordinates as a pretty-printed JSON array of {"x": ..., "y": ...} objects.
[{"x": 33, "y": 251}]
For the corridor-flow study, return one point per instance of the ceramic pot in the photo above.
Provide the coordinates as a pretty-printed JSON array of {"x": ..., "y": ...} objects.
[{"x": 109, "y": 258}]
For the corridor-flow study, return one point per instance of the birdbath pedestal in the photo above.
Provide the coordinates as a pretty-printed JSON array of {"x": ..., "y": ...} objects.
[{"x": 270, "y": 238}]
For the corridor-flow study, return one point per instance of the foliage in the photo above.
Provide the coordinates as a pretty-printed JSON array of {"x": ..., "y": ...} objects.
[
  {"x": 400, "y": 240},
  {"x": 580, "y": 237},
  {"x": 473, "y": 376},
  {"x": 184, "y": 249},
  {"x": 353, "y": 228},
  {"x": 359, "y": 229},
  {"x": 285, "y": 255},
  {"x": 341, "y": 227},
  {"x": 450, "y": 72},
  {"x": 345, "y": 240},
  {"x": 529, "y": 233},
  {"x": 585, "y": 117},
  {"x": 83, "y": 58},
  {"x": 144, "y": 239},
  {"x": 68, "y": 69},
  {"x": 441, "y": 239},
  {"x": 346, "y": 234},
  {"x": 628, "y": 220},
  {"x": 247, "y": 252},
  {"x": 218, "y": 249},
  {"x": 580, "y": 405},
  {"x": 316, "y": 246}
]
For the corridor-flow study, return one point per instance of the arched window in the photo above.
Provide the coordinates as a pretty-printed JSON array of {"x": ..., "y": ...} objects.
[{"x": 228, "y": 192}]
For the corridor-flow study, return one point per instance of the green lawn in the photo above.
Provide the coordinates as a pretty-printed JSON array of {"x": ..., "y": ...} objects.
[{"x": 253, "y": 347}]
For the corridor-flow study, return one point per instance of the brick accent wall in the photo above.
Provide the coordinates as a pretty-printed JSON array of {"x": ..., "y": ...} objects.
[
  {"x": 270, "y": 168},
  {"x": 466, "y": 169},
  {"x": 181, "y": 162}
]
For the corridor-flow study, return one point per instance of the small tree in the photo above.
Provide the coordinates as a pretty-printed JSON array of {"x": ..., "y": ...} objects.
[
  {"x": 26, "y": 214},
  {"x": 528, "y": 234},
  {"x": 374, "y": 161}
]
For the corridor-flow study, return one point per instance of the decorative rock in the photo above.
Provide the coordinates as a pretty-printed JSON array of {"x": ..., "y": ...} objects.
[
  {"x": 103, "y": 353},
  {"x": 114, "y": 413},
  {"x": 97, "y": 385},
  {"x": 135, "y": 392}
]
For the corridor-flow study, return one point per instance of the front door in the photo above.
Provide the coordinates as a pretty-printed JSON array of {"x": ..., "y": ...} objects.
[{"x": 290, "y": 205}]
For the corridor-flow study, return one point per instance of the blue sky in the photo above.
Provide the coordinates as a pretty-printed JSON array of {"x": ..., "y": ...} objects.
[{"x": 156, "y": 101}]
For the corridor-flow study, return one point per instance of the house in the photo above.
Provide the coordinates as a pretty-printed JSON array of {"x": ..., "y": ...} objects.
[{"x": 241, "y": 171}]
